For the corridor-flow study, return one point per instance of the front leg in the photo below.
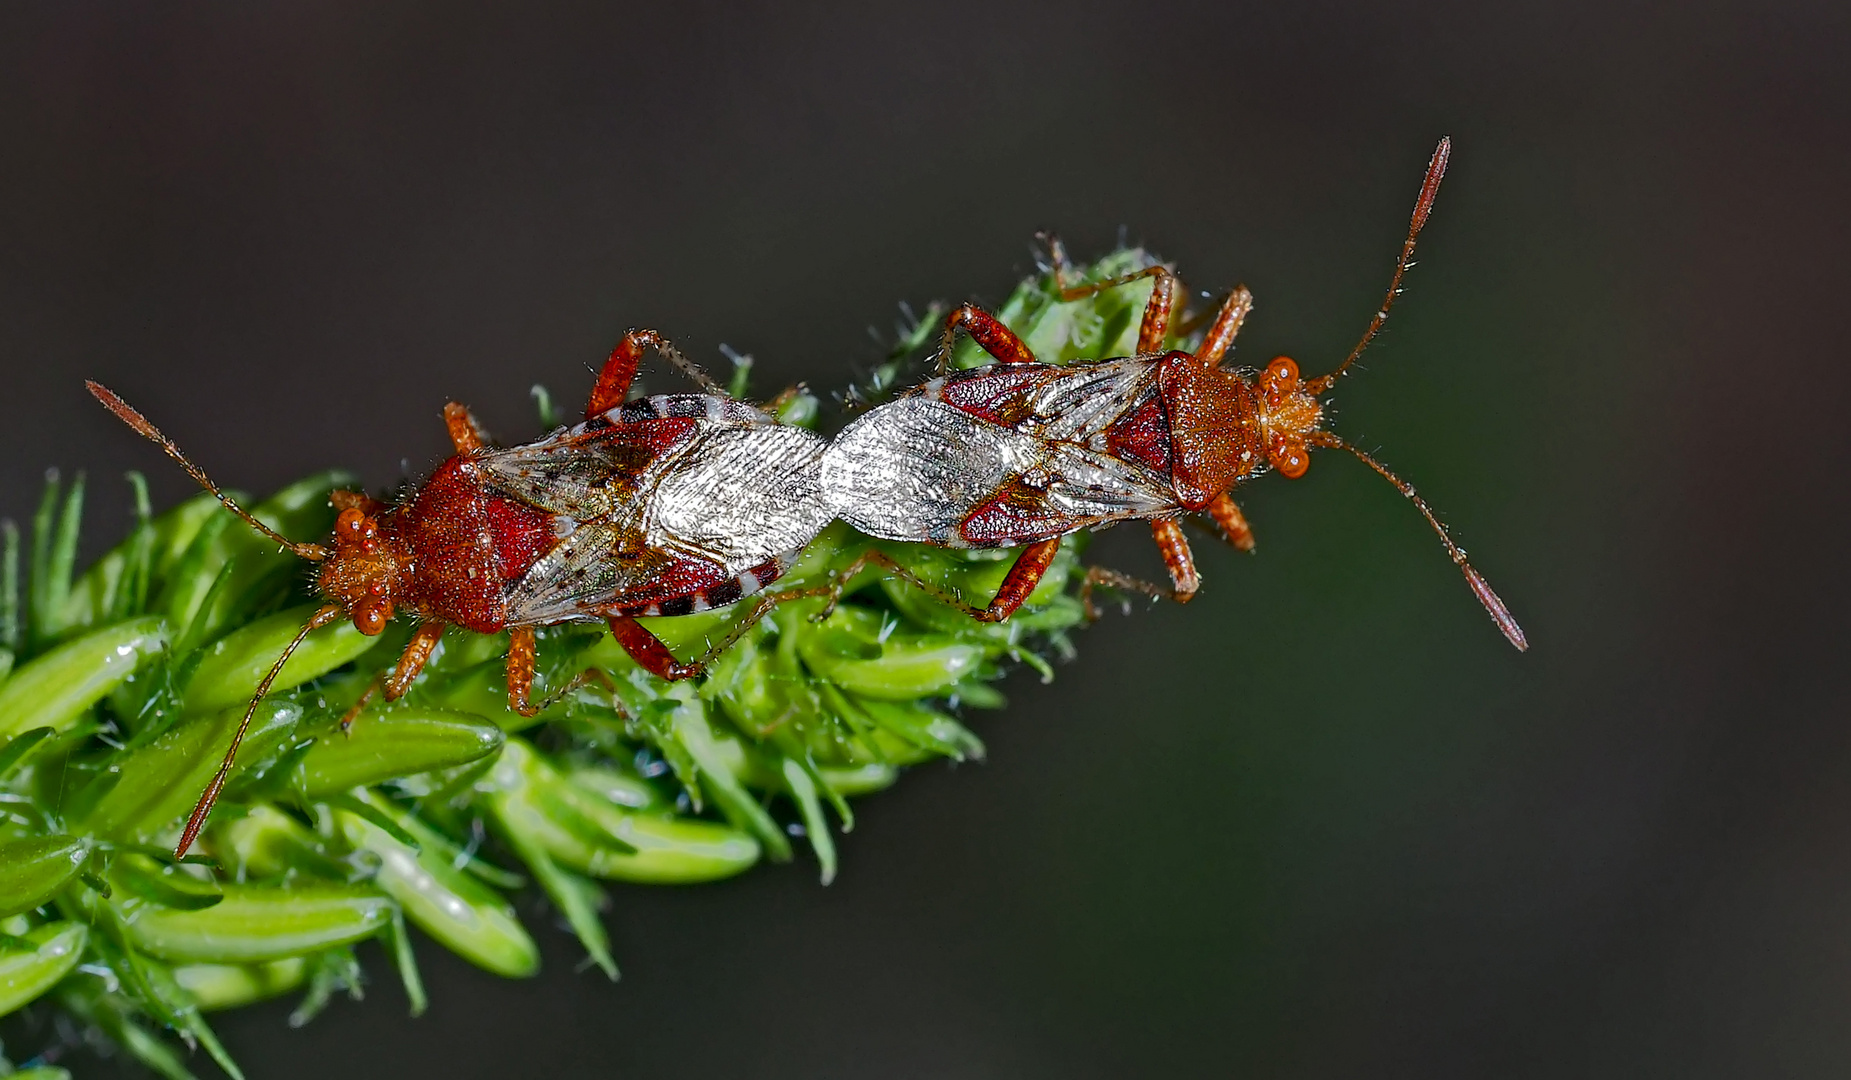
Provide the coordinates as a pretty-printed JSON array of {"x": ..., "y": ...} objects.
[
  {"x": 1233, "y": 523},
  {"x": 1099, "y": 576},
  {"x": 410, "y": 662},
  {"x": 1220, "y": 336},
  {"x": 465, "y": 434}
]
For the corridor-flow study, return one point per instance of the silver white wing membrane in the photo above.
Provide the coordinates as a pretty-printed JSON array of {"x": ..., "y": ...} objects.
[
  {"x": 917, "y": 468},
  {"x": 741, "y": 495},
  {"x": 736, "y": 494}
]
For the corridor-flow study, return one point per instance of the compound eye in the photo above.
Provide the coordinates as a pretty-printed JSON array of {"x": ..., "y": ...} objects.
[
  {"x": 350, "y": 526},
  {"x": 1291, "y": 460},
  {"x": 370, "y": 615},
  {"x": 1282, "y": 371}
]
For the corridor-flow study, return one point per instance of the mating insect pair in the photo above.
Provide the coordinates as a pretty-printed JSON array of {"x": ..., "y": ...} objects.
[{"x": 676, "y": 504}]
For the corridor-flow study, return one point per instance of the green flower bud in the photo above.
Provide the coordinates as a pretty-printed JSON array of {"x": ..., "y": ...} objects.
[
  {"x": 851, "y": 650},
  {"x": 264, "y": 842}
]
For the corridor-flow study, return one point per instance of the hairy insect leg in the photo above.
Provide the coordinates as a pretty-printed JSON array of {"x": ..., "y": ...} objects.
[
  {"x": 645, "y": 648},
  {"x": 1220, "y": 336},
  {"x": 619, "y": 372},
  {"x": 1158, "y": 310},
  {"x": 395, "y": 683},
  {"x": 1023, "y": 576},
  {"x": 653, "y": 656},
  {"x": 1233, "y": 523},
  {"x": 785, "y": 396},
  {"x": 465, "y": 433},
  {"x": 988, "y": 332},
  {"x": 1098, "y": 576},
  {"x": 1177, "y": 558},
  {"x": 522, "y": 657}
]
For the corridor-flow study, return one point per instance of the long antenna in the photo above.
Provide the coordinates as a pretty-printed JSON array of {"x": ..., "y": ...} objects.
[
  {"x": 129, "y": 416},
  {"x": 197, "y": 820},
  {"x": 1494, "y": 605},
  {"x": 1423, "y": 207}
]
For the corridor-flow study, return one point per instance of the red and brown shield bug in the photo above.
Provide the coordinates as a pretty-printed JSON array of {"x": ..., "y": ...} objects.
[
  {"x": 662, "y": 506},
  {"x": 1020, "y": 453}
]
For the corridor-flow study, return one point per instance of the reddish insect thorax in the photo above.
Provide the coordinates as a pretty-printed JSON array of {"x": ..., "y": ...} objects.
[
  {"x": 447, "y": 554},
  {"x": 1216, "y": 436},
  {"x": 1223, "y": 429}
]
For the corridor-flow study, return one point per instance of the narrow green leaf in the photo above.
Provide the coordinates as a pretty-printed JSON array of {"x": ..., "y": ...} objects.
[
  {"x": 691, "y": 731},
  {"x": 54, "y": 555},
  {"x": 576, "y": 898},
  {"x": 393, "y": 743},
  {"x": 112, "y": 1016},
  {"x": 329, "y": 973},
  {"x": 167, "y": 885},
  {"x": 39, "y": 582},
  {"x": 54, "y": 689},
  {"x": 463, "y": 914},
  {"x": 19, "y": 747},
  {"x": 802, "y": 788},
  {"x": 925, "y": 727},
  {"x": 353, "y": 804},
  {"x": 257, "y": 923},
  {"x": 543, "y": 404},
  {"x": 9, "y": 586},
  {"x": 231, "y": 668},
  {"x": 579, "y": 828},
  {"x": 398, "y": 943},
  {"x": 51, "y": 952},
  {"x": 158, "y": 784},
  {"x": 33, "y": 869},
  {"x": 229, "y": 986}
]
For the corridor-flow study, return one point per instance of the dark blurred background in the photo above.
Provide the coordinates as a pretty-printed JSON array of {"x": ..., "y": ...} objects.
[{"x": 1321, "y": 822}]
